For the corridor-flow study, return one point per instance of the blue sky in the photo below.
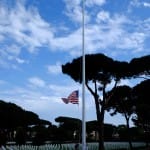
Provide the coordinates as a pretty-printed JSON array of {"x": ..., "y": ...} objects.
[{"x": 38, "y": 36}]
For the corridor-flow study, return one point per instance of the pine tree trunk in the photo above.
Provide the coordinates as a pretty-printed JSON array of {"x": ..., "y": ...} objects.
[
  {"x": 100, "y": 115},
  {"x": 101, "y": 136},
  {"x": 129, "y": 139},
  {"x": 101, "y": 128}
]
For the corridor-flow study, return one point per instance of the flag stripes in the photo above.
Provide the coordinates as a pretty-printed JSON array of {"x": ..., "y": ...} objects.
[{"x": 72, "y": 98}]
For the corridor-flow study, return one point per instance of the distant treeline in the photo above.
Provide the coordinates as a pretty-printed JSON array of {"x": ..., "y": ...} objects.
[{"x": 20, "y": 126}]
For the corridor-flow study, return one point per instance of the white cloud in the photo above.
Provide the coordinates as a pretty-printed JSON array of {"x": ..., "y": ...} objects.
[
  {"x": 2, "y": 82},
  {"x": 20, "y": 28},
  {"x": 10, "y": 55},
  {"x": 68, "y": 43},
  {"x": 35, "y": 81},
  {"x": 24, "y": 26},
  {"x": 95, "y": 2},
  {"x": 13, "y": 50},
  {"x": 103, "y": 16},
  {"x": 110, "y": 31},
  {"x": 74, "y": 11},
  {"x": 146, "y": 4},
  {"x": 20, "y": 61},
  {"x": 102, "y": 36},
  {"x": 126, "y": 82},
  {"x": 55, "y": 69},
  {"x": 138, "y": 3},
  {"x": 64, "y": 89},
  {"x": 27, "y": 29},
  {"x": 46, "y": 102},
  {"x": 132, "y": 41},
  {"x": 135, "y": 3}
]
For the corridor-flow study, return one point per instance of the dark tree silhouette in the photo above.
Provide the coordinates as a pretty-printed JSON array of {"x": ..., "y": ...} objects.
[
  {"x": 101, "y": 71},
  {"x": 13, "y": 116},
  {"x": 140, "y": 66},
  {"x": 69, "y": 128},
  {"x": 3, "y": 138},
  {"x": 20, "y": 136},
  {"x": 93, "y": 126},
  {"x": 40, "y": 136},
  {"x": 122, "y": 102},
  {"x": 141, "y": 95}
]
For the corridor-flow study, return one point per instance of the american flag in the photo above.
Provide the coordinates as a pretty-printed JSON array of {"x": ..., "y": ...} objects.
[
  {"x": 72, "y": 98},
  {"x": 65, "y": 100}
]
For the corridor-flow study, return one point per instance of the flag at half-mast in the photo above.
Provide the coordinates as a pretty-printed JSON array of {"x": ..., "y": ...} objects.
[{"x": 72, "y": 98}]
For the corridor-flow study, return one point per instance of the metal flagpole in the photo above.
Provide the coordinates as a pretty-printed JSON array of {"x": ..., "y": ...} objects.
[{"x": 83, "y": 81}]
